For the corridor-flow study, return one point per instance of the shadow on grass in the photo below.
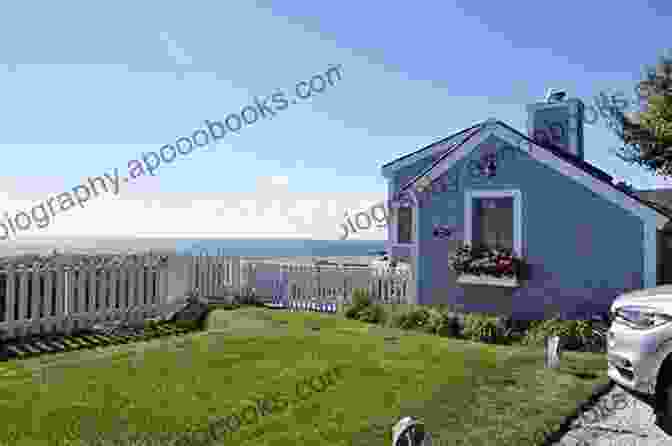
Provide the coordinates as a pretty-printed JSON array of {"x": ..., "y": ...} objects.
[{"x": 582, "y": 375}]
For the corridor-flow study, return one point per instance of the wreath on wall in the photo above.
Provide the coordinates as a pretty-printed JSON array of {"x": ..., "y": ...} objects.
[
  {"x": 443, "y": 232},
  {"x": 488, "y": 165}
]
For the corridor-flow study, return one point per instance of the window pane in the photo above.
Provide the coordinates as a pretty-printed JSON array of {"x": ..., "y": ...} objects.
[
  {"x": 493, "y": 222},
  {"x": 405, "y": 224}
]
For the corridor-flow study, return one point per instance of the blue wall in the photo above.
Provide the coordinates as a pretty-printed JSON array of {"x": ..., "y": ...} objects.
[
  {"x": 404, "y": 175},
  {"x": 582, "y": 249}
]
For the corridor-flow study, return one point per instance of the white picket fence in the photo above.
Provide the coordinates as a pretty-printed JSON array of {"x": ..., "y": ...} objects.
[
  {"x": 60, "y": 298},
  {"x": 277, "y": 281}
]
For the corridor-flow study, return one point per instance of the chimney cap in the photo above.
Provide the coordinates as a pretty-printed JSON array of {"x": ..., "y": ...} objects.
[{"x": 555, "y": 95}]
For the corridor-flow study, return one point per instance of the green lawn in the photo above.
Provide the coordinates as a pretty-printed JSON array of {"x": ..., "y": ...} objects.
[{"x": 468, "y": 393}]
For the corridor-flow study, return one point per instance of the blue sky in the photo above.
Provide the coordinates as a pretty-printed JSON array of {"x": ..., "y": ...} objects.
[{"x": 87, "y": 88}]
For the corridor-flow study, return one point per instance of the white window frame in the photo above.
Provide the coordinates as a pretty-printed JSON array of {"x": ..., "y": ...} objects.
[
  {"x": 471, "y": 195},
  {"x": 414, "y": 222}
]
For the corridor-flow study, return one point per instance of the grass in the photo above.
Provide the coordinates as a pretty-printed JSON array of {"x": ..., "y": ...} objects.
[{"x": 467, "y": 393}]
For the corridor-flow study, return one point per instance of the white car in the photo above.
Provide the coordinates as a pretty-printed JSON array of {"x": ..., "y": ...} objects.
[{"x": 639, "y": 347}]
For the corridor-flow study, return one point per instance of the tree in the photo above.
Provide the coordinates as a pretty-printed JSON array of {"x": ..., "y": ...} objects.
[{"x": 647, "y": 133}]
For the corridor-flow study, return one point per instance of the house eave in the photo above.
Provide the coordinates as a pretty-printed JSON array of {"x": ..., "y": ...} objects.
[{"x": 389, "y": 169}]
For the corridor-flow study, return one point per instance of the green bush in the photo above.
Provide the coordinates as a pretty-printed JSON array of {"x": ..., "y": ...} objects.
[
  {"x": 575, "y": 334},
  {"x": 361, "y": 298},
  {"x": 442, "y": 322},
  {"x": 452, "y": 325},
  {"x": 412, "y": 320},
  {"x": 374, "y": 314},
  {"x": 398, "y": 320},
  {"x": 485, "y": 328},
  {"x": 191, "y": 325},
  {"x": 151, "y": 325},
  {"x": 437, "y": 321},
  {"x": 352, "y": 312},
  {"x": 434, "y": 321},
  {"x": 360, "y": 301}
]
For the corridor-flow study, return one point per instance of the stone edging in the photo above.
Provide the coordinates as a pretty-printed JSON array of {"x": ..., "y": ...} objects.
[{"x": 599, "y": 391}]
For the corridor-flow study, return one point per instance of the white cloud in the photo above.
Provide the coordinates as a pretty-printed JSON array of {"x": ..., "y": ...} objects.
[{"x": 270, "y": 211}]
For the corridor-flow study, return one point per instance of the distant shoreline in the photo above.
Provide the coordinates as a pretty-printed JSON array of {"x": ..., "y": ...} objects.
[{"x": 293, "y": 250}]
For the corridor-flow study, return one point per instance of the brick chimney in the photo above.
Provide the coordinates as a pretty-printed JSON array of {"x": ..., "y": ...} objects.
[{"x": 557, "y": 122}]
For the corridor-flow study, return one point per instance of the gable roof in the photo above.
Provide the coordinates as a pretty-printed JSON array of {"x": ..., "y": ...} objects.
[
  {"x": 399, "y": 160},
  {"x": 560, "y": 154}
]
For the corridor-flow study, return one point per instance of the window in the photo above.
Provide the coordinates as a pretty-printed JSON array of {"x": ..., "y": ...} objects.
[
  {"x": 494, "y": 219},
  {"x": 493, "y": 222},
  {"x": 404, "y": 225}
]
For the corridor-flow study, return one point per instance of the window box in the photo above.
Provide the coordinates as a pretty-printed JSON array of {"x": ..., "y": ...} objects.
[
  {"x": 487, "y": 266},
  {"x": 471, "y": 279}
]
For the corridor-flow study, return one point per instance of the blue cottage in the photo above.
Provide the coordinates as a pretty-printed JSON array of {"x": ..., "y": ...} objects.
[{"x": 577, "y": 238}]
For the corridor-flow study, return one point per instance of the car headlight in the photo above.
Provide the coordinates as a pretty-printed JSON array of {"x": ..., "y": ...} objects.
[{"x": 641, "y": 317}]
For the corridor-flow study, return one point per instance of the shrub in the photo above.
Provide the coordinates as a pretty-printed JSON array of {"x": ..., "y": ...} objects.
[
  {"x": 374, "y": 314},
  {"x": 189, "y": 324},
  {"x": 361, "y": 298},
  {"x": 352, "y": 312},
  {"x": 575, "y": 334},
  {"x": 360, "y": 301},
  {"x": 434, "y": 321},
  {"x": 414, "y": 319},
  {"x": 430, "y": 320},
  {"x": 443, "y": 323},
  {"x": 485, "y": 328},
  {"x": 399, "y": 320},
  {"x": 151, "y": 325}
]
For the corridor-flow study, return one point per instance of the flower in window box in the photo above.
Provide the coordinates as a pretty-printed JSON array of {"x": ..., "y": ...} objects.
[{"x": 485, "y": 261}]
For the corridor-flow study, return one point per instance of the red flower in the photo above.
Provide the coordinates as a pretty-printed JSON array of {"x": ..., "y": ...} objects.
[{"x": 504, "y": 265}]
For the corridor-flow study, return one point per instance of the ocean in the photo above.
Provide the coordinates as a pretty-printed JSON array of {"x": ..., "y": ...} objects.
[{"x": 264, "y": 248}]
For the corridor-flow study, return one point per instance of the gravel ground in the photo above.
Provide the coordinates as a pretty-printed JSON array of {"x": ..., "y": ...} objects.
[{"x": 630, "y": 426}]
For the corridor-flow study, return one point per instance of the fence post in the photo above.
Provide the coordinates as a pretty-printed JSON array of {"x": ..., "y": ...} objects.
[
  {"x": 48, "y": 296},
  {"x": 72, "y": 300},
  {"x": 105, "y": 292},
  {"x": 154, "y": 287},
  {"x": 23, "y": 299},
  {"x": 144, "y": 287},
  {"x": 93, "y": 292},
  {"x": 235, "y": 274},
  {"x": 217, "y": 277},
  {"x": 36, "y": 298},
  {"x": 62, "y": 287},
  {"x": 10, "y": 315},
  {"x": 166, "y": 273},
  {"x": 115, "y": 289},
  {"x": 132, "y": 272},
  {"x": 123, "y": 287},
  {"x": 210, "y": 276},
  {"x": 198, "y": 273},
  {"x": 79, "y": 275}
]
